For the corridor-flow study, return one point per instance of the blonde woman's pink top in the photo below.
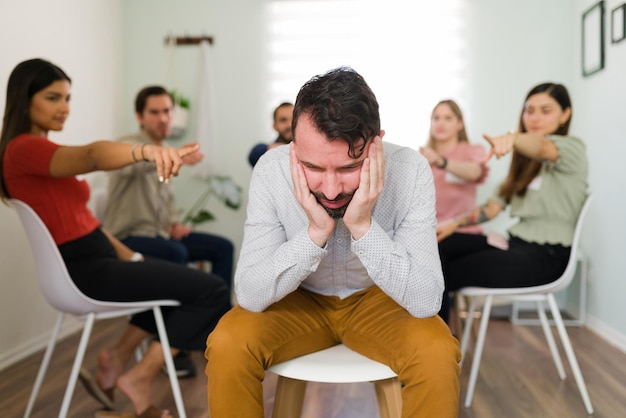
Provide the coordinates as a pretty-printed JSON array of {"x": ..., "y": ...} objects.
[{"x": 456, "y": 196}]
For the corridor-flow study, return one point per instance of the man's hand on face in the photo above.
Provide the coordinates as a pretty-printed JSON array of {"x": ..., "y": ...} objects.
[
  {"x": 321, "y": 225},
  {"x": 358, "y": 216}
]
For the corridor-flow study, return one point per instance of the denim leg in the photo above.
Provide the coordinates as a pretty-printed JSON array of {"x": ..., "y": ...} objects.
[
  {"x": 158, "y": 247},
  {"x": 213, "y": 248}
]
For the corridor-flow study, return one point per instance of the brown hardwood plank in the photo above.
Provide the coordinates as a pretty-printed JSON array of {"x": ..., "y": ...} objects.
[{"x": 517, "y": 378}]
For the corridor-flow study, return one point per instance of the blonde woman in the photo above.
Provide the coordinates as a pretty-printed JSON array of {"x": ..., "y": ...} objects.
[{"x": 457, "y": 165}]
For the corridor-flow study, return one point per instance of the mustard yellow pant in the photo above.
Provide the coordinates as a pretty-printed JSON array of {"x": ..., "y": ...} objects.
[{"x": 244, "y": 344}]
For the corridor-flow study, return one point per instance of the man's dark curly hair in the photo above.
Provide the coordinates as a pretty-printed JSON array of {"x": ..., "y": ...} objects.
[{"x": 341, "y": 106}]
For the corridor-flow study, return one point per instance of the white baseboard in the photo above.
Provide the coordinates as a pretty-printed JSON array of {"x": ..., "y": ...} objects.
[
  {"x": 70, "y": 326},
  {"x": 610, "y": 335}
]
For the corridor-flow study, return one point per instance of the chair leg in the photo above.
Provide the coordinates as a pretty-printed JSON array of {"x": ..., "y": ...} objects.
[
  {"x": 289, "y": 398},
  {"x": 468, "y": 328},
  {"x": 456, "y": 321},
  {"x": 389, "y": 397},
  {"x": 543, "y": 319},
  {"x": 78, "y": 361},
  {"x": 567, "y": 345},
  {"x": 169, "y": 362},
  {"x": 44, "y": 364},
  {"x": 478, "y": 350},
  {"x": 466, "y": 300}
]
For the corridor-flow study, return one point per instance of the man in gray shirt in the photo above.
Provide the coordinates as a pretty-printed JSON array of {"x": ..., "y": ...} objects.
[
  {"x": 339, "y": 247},
  {"x": 141, "y": 210}
]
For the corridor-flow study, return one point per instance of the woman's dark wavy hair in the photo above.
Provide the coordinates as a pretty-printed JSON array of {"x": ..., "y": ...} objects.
[
  {"x": 341, "y": 106},
  {"x": 523, "y": 169},
  {"x": 26, "y": 79}
]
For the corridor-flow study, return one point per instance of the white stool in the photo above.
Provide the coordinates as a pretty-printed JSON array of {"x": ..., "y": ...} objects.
[{"x": 336, "y": 364}]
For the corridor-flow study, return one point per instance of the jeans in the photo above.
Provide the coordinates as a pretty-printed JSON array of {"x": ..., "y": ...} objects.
[{"x": 196, "y": 246}]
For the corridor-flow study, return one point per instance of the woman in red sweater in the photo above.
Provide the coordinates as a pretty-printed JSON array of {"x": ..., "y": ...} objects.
[{"x": 42, "y": 174}]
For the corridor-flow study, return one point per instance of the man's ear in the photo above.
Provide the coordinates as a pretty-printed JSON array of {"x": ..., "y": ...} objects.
[{"x": 382, "y": 134}]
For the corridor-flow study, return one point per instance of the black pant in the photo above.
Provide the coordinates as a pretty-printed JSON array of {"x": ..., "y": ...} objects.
[
  {"x": 99, "y": 274},
  {"x": 196, "y": 246},
  {"x": 468, "y": 260}
]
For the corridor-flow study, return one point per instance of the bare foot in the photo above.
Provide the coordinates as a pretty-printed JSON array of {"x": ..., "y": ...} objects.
[
  {"x": 138, "y": 388},
  {"x": 154, "y": 412},
  {"x": 109, "y": 368}
]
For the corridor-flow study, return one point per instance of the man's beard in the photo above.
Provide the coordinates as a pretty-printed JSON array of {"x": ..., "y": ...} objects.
[
  {"x": 284, "y": 139},
  {"x": 335, "y": 213}
]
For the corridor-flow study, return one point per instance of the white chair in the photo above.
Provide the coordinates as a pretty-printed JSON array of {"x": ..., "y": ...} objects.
[
  {"x": 60, "y": 292},
  {"x": 336, "y": 364},
  {"x": 538, "y": 294},
  {"x": 581, "y": 314}
]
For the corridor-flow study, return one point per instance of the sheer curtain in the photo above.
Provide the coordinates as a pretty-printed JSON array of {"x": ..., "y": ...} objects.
[{"x": 412, "y": 54}]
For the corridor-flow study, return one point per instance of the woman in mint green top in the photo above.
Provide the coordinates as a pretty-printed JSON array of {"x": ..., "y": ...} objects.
[{"x": 546, "y": 187}]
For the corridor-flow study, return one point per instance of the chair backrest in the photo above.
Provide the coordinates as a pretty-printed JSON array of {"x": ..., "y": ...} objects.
[
  {"x": 570, "y": 270},
  {"x": 54, "y": 280}
]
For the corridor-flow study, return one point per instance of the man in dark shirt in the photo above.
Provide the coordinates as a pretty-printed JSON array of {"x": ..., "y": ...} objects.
[{"x": 282, "y": 124}]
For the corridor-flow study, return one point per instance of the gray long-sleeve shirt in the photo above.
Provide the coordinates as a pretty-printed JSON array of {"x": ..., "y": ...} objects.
[{"x": 399, "y": 253}]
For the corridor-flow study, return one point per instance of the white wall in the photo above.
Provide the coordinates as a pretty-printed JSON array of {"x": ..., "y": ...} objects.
[
  {"x": 508, "y": 56},
  {"x": 601, "y": 120},
  {"x": 112, "y": 48},
  {"x": 238, "y": 73}
]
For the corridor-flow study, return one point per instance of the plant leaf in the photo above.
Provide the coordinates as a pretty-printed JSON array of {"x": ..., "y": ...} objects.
[{"x": 202, "y": 216}]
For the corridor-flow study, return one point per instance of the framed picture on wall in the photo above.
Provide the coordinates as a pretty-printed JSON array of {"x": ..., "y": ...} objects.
[
  {"x": 618, "y": 23},
  {"x": 593, "y": 39}
]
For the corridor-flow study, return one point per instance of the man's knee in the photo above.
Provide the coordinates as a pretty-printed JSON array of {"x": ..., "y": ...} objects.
[
  {"x": 177, "y": 253},
  {"x": 231, "y": 335},
  {"x": 438, "y": 347}
]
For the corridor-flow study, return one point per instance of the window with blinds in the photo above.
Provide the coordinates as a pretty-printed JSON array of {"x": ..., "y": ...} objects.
[{"x": 412, "y": 54}]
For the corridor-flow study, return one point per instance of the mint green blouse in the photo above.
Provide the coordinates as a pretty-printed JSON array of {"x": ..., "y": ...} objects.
[{"x": 548, "y": 211}]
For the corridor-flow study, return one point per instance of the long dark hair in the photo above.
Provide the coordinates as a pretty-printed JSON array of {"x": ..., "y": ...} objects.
[
  {"x": 523, "y": 169},
  {"x": 341, "y": 106},
  {"x": 26, "y": 79}
]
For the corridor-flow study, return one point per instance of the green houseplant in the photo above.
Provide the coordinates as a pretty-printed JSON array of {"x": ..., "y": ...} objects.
[{"x": 221, "y": 187}]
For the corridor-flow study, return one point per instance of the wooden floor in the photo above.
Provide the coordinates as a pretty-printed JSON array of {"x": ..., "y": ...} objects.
[{"x": 517, "y": 378}]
